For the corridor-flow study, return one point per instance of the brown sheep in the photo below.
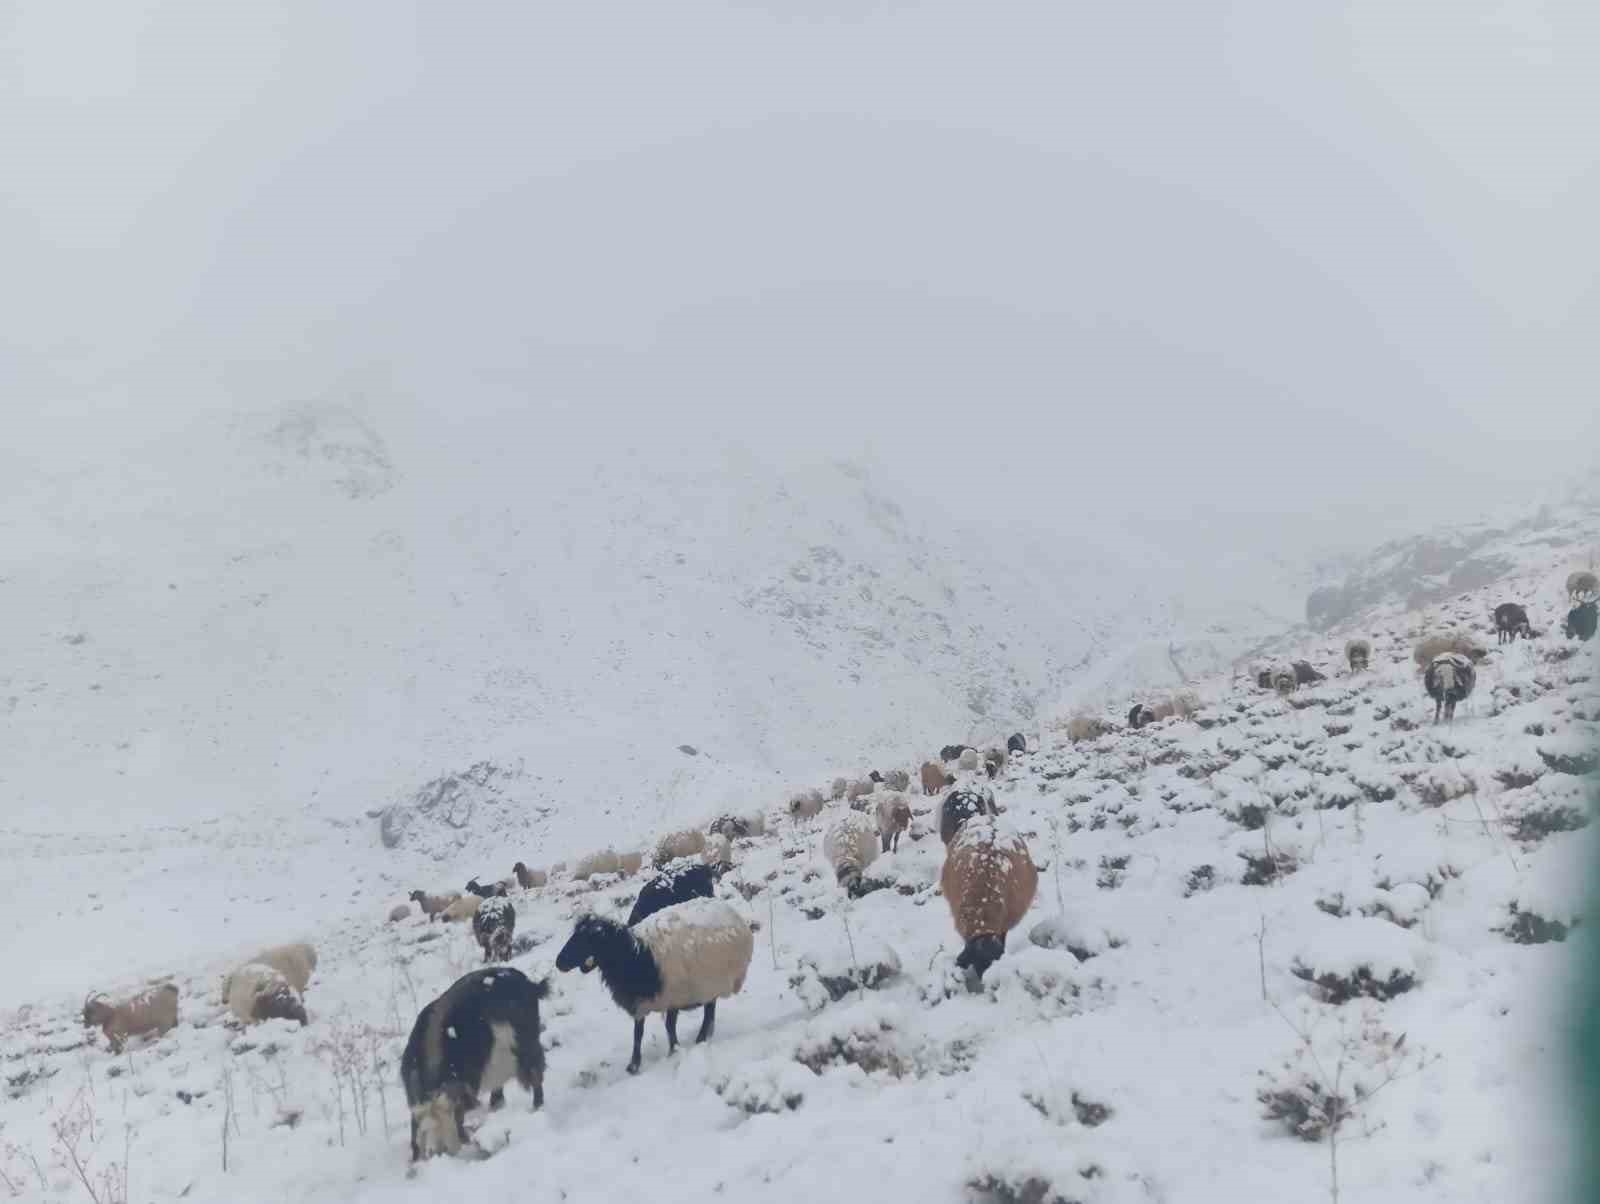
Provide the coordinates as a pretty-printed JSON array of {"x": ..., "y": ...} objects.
[
  {"x": 151, "y": 1011},
  {"x": 989, "y": 882},
  {"x": 934, "y": 778},
  {"x": 894, "y": 817},
  {"x": 629, "y": 864},
  {"x": 463, "y": 908}
]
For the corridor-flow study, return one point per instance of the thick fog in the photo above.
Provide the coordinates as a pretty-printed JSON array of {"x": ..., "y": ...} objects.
[{"x": 1183, "y": 262}]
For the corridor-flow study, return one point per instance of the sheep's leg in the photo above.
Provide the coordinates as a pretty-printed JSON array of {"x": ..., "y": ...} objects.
[
  {"x": 672, "y": 1031},
  {"x": 708, "y": 1022},
  {"x": 638, "y": 1038},
  {"x": 497, "y": 1099},
  {"x": 883, "y": 840}
]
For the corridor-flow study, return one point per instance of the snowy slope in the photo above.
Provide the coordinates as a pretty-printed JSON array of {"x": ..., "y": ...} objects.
[
  {"x": 1209, "y": 888},
  {"x": 233, "y": 640}
]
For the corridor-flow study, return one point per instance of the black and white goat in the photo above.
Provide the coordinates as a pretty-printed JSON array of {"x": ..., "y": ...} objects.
[
  {"x": 476, "y": 1037},
  {"x": 492, "y": 891}
]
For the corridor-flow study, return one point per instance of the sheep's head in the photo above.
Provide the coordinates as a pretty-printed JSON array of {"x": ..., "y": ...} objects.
[
  {"x": 418, "y": 896},
  {"x": 95, "y": 1010},
  {"x": 589, "y": 937}
]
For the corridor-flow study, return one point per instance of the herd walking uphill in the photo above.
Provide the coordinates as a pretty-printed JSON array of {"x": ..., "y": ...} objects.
[
  {"x": 688, "y": 955},
  {"x": 476, "y": 1037},
  {"x": 1215, "y": 871}
]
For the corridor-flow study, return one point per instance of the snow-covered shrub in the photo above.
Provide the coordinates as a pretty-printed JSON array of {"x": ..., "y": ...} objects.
[
  {"x": 1525, "y": 926},
  {"x": 1439, "y": 784},
  {"x": 1263, "y": 868},
  {"x": 828, "y": 977},
  {"x": 1572, "y": 752},
  {"x": 772, "y": 1085},
  {"x": 1081, "y": 940},
  {"x": 1201, "y": 878},
  {"x": 865, "y": 1036},
  {"x": 1359, "y": 958},
  {"x": 1304, "y": 1107},
  {"x": 1041, "y": 980}
]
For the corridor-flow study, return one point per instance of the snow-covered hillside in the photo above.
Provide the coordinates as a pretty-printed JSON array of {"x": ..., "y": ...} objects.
[
  {"x": 1211, "y": 891},
  {"x": 233, "y": 640}
]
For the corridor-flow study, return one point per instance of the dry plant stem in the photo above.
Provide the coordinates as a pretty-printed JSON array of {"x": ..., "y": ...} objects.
[
  {"x": 1261, "y": 956},
  {"x": 844, "y": 914},
  {"x": 772, "y": 929}
]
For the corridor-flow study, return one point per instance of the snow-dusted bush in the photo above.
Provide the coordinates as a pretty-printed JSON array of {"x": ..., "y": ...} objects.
[
  {"x": 771, "y": 1085},
  {"x": 1356, "y": 958},
  {"x": 822, "y": 978}
]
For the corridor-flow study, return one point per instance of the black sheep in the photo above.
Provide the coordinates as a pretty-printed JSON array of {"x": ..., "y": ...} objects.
[
  {"x": 1304, "y": 674},
  {"x": 1264, "y": 679},
  {"x": 1581, "y": 621},
  {"x": 961, "y": 805},
  {"x": 1139, "y": 715},
  {"x": 951, "y": 752},
  {"x": 673, "y": 886},
  {"x": 491, "y": 891},
  {"x": 1510, "y": 621},
  {"x": 494, "y": 924},
  {"x": 1017, "y": 743},
  {"x": 475, "y": 1037},
  {"x": 876, "y": 777}
]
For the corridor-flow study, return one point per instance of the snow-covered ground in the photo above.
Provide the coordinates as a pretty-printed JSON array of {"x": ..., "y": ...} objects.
[{"x": 1209, "y": 888}]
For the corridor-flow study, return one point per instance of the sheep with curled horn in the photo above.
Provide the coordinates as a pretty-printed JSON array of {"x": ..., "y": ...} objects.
[
  {"x": 1510, "y": 621},
  {"x": 476, "y": 1037},
  {"x": 1582, "y": 585},
  {"x": 1358, "y": 653},
  {"x": 1448, "y": 680},
  {"x": 152, "y": 1012}
]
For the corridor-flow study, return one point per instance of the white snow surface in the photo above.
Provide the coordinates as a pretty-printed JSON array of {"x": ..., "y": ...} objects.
[{"x": 1132, "y": 1075}]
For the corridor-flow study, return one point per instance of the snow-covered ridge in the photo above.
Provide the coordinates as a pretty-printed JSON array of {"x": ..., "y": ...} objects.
[{"x": 1229, "y": 909}]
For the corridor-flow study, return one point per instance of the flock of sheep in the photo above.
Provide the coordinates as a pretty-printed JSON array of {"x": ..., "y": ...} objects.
[{"x": 681, "y": 947}]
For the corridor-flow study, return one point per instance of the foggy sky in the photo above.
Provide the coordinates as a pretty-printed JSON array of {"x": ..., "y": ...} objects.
[{"x": 1228, "y": 259}]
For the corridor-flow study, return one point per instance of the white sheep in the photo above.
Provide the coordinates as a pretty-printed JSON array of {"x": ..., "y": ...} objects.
[
  {"x": 688, "y": 955},
  {"x": 839, "y": 787},
  {"x": 969, "y": 759},
  {"x": 1358, "y": 654},
  {"x": 718, "y": 852},
  {"x": 605, "y": 861},
  {"x": 859, "y": 789},
  {"x": 897, "y": 779},
  {"x": 629, "y": 864},
  {"x": 894, "y": 817},
  {"x": 805, "y": 806},
  {"x": 399, "y": 912},
  {"x": 256, "y": 993},
  {"x": 463, "y": 908},
  {"x": 689, "y": 842},
  {"x": 850, "y": 846},
  {"x": 529, "y": 879},
  {"x": 1086, "y": 727},
  {"x": 432, "y": 905},
  {"x": 1284, "y": 679},
  {"x": 295, "y": 962}
]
